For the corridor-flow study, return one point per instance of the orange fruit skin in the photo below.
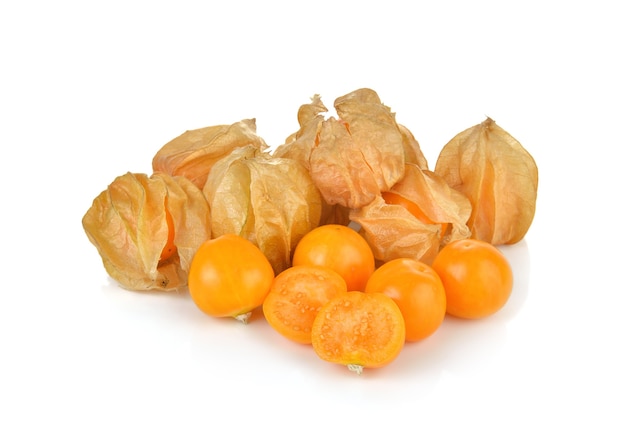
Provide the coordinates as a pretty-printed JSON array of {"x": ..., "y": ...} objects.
[
  {"x": 296, "y": 296},
  {"x": 229, "y": 276},
  {"x": 339, "y": 248},
  {"x": 359, "y": 329},
  {"x": 418, "y": 291},
  {"x": 476, "y": 276}
]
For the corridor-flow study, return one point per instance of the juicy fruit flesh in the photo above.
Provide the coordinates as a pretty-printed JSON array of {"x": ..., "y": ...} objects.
[
  {"x": 359, "y": 329},
  {"x": 296, "y": 296}
]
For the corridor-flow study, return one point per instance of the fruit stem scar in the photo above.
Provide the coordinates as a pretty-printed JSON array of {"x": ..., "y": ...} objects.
[
  {"x": 358, "y": 369},
  {"x": 244, "y": 317}
]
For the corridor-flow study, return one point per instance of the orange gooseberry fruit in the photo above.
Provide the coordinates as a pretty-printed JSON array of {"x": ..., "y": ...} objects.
[
  {"x": 476, "y": 276},
  {"x": 295, "y": 297},
  {"x": 339, "y": 248},
  {"x": 418, "y": 291},
  {"x": 229, "y": 276},
  {"x": 359, "y": 330}
]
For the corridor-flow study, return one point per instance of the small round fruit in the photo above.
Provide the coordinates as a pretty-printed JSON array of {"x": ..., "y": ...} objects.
[
  {"x": 359, "y": 330},
  {"x": 339, "y": 248},
  {"x": 229, "y": 276},
  {"x": 418, "y": 291},
  {"x": 477, "y": 278},
  {"x": 296, "y": 295}
]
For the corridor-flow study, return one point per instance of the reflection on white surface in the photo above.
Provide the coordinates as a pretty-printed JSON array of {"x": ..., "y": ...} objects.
[{"x": 223, "y": 349}]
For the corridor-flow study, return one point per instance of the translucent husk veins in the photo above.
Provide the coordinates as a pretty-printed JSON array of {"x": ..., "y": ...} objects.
[
  {"x": 354, "y": 157},
  {"x": 223, "y": 179},
  {"x": 440, "y": 203},
  {"x": 270, "y": 201},
  {"x": 393, "y": 232},
  {"x": 193, "y": 153},
  {"x": 127, "y": 224},
  {"x": 499, "y": 177}
]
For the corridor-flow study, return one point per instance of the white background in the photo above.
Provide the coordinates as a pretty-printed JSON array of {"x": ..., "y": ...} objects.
[{"x": 91, "y": 90}]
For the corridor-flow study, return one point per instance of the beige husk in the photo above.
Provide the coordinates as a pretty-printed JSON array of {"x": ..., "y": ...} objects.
[
  {"x": 412, "y": 151},
  {"x": 437, "y": 200},
  {"x": 393, "y": 232},
  {"x": 270, "y": 201},
  {"x": 497, "y": 175},
  {"x": 353, "y": 158},
  {"x": 193, "y": 153},
  {"x": 127, "y": 224}
]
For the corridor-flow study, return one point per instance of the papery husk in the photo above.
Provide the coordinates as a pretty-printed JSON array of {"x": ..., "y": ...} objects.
[
  {"x": 437, "y": 200},
  {"x": 498, "y": 176},
  {"x": 299, "y": 145},
  {"x": 412, "y": 151},
  {"x": 353, "y": 158},
  {"x": 193, "y": 153},
  {"x": 393, "y": 232},
  {"x": 270, "y": 201},
  {"x": 334, "y": 215},
  {"x": 127, "y": 224}
]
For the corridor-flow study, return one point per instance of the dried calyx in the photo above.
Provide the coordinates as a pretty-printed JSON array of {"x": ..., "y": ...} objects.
[
  {"x": 270, "y": 201},
  {"x": 131, "y": 222},
  {"x": 499, "y": 177}
]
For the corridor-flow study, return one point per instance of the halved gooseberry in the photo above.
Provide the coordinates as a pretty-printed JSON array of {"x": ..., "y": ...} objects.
[
  {"x": 296, "y": 295},
  {"x": 359, "y": 330}
]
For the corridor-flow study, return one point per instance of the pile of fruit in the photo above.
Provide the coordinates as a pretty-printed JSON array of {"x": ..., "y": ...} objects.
[{"x": 342, "y": 235}]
